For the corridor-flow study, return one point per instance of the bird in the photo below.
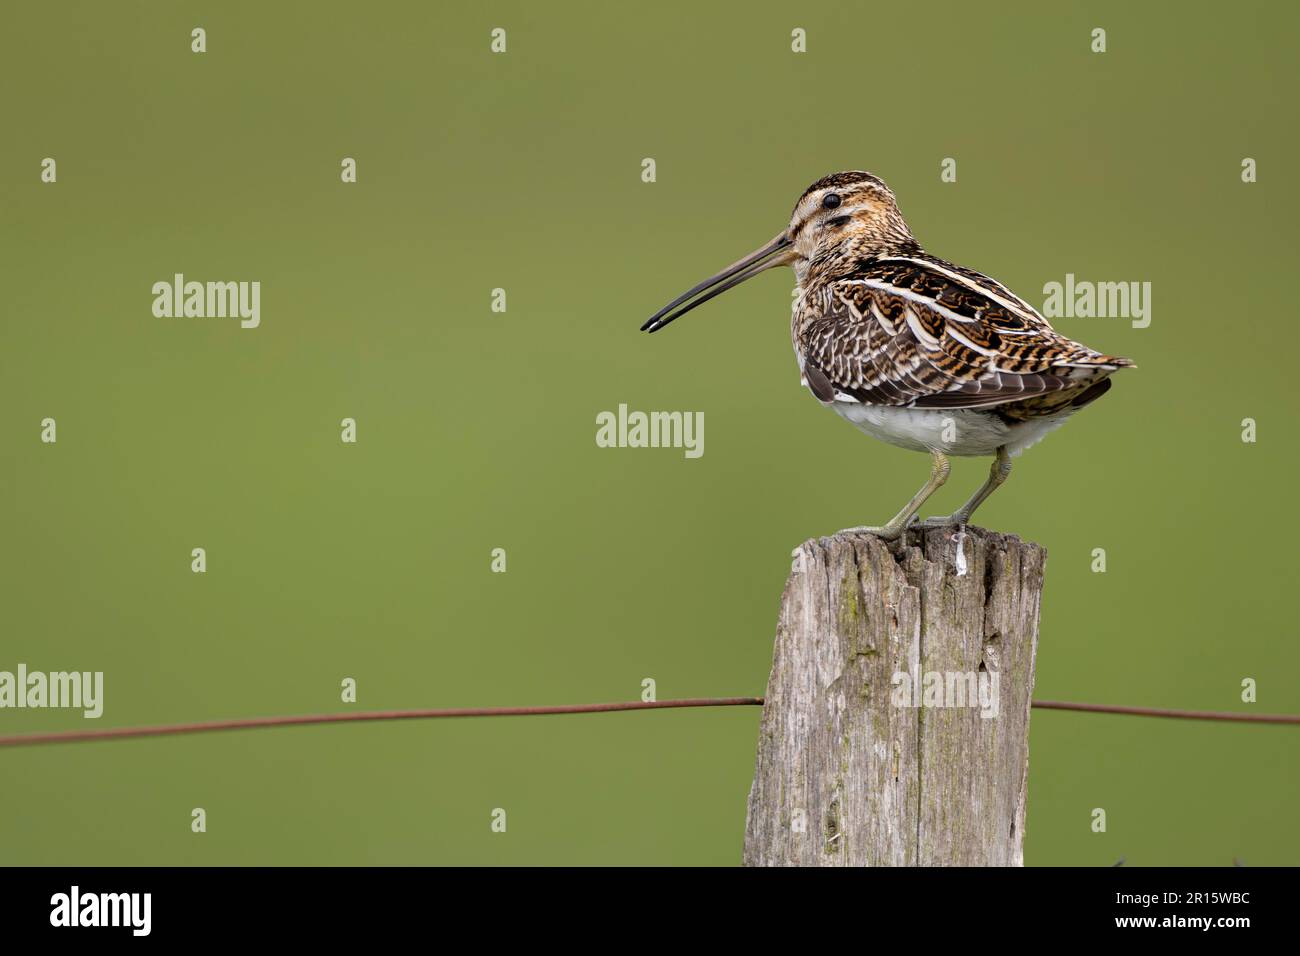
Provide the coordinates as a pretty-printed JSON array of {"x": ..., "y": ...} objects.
[{"x": 911, "y": 349}]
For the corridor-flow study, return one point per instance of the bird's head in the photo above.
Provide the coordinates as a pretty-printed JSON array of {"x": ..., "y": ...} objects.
[
  {"x": 843, "y": 218},
  {"x": 839, "y": 220}
]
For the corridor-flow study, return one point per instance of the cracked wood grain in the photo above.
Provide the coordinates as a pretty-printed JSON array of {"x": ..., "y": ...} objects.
[{"x": 848, "y": 772}]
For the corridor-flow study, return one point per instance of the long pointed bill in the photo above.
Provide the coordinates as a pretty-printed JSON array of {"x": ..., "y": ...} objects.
[{"x": 775, "y": 253}]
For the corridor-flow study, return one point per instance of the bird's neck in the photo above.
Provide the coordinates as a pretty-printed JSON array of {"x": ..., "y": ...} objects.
[{"x": 844, "y": 262}]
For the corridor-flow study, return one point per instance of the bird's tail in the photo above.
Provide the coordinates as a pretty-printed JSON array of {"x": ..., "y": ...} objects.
[{"x": 1088, "y": 359}]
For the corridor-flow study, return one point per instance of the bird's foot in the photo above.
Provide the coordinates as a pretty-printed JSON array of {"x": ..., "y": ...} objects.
[
  {"x": 956, "y": 519},
  {"x": 891, "y": 531}
]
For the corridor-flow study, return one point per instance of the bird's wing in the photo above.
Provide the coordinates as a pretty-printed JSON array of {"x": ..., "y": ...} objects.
[{"x": 920, "y": 332}]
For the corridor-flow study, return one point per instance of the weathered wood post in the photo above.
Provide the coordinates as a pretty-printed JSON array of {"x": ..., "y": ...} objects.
[{"x": 896, "y": 725}]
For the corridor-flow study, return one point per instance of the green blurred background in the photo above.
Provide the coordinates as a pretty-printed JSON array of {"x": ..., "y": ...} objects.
[{"x": 476, "y": 429}]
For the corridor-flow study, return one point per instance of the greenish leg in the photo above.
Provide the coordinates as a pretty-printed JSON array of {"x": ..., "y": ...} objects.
[
  {"x": 894, "y": 527},
  {"x": 998, "y": 474}
]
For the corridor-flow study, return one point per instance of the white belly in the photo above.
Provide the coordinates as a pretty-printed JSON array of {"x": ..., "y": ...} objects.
[{"x": 954, "y": 431}]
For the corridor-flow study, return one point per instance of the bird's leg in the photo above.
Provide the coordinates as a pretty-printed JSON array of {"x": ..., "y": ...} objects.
[
  {"x": 895, "y": 526},
  {"x": 997, "y": 475}
]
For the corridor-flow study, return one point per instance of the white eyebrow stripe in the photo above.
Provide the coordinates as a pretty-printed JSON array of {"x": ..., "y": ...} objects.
[{"x": 819, "y": 211}]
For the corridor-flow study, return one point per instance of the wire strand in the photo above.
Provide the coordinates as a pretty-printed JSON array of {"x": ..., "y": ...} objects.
[
  {"x": 1164, "y": 712},
  {"x": 253, "y": 723}
]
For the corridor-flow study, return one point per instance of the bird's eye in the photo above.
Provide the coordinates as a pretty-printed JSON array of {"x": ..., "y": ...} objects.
[{"x": 831, "y": 200}]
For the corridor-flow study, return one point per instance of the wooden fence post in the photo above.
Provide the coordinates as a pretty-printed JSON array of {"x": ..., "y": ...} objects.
[{"x": 896, "y": 725}]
